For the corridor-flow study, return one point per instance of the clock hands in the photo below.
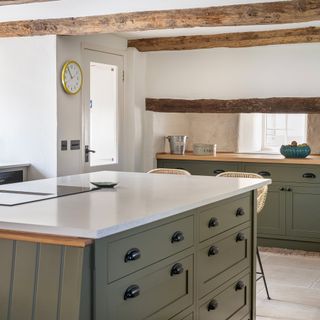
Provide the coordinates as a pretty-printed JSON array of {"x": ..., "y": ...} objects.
[{"x": 70, "y": 73}]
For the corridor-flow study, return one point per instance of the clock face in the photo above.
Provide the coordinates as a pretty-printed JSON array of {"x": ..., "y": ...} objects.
[{"x": 71, "y": 77}]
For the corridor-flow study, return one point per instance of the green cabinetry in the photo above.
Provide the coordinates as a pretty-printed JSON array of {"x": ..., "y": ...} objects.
[{"x": 291, "y": 215}]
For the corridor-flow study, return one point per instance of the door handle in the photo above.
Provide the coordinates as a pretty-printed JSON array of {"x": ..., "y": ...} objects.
[
  {"x": 264, "y": 173},
  {"x": 309, "y": 175},
  {"x": 87, "y": 151}
]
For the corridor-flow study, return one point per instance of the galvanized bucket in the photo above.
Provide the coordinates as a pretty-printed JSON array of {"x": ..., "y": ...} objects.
[{"x": 177, "y": 144}]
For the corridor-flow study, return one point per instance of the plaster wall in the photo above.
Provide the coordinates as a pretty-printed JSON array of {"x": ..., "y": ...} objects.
[
  {"x": 28, "y": 103},
  {"x": 271, "y": 71}
]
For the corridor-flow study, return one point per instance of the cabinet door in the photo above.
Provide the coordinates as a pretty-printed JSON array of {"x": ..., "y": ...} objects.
[
  {"x": 302, "y": 212},
  {"x": 271, "y": 220}
]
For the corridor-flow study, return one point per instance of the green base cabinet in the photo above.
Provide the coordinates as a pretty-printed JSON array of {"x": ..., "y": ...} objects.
[{"x": 290, "y": 218}]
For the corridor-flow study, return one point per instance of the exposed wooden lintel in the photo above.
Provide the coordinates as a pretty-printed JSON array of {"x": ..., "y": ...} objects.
[
  {"x": 268, "y": 105},
  {"x": 8, "y": 2},
  {"x": 233, "y": 15},
  {"x": 229, "y": 40}
]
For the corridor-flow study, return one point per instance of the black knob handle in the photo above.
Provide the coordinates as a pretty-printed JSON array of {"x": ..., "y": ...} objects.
[
  {"x": 282, "y": 189},
  {"x": 132, "y": 254},
  {"x": 240, "y": 237},
  {"x": 218, "y": 171},
  {"x": 309, "y": 175},
  {"x": 240, "y": 212},
  {"x": 131, "y": 292},
  {"x": 213, "y": 305},
  {"x": 289, "y": 189},
  {"x": 213, "y": 251},
  {"x": 177, "y": 237},
  {"x": 176, "y": 269},
  {"x": 213, "y": 222},
  {"x": 264, "y": 173},
  {"x": 240, "y": 285}
]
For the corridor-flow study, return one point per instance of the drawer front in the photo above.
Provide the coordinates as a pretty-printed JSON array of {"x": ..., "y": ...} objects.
[
  {"x": 232, "y": 304},
  {"x": 11, "y": 177},
  {"x": 289, "y": 173},
  {"x": 130, "y": 254},
  {"x": 222, "y": 259},
  {"x": 155, "y": 294},
  {"x": 207, "y": 168},
  {"x": 218, "y": 219}
]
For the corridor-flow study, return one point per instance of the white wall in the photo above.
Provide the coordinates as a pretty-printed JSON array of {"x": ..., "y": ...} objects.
[
  {"x": 70, "y": 107},
  {"x": 270, "y": 71},
  {"x": 28, "y": 103}
]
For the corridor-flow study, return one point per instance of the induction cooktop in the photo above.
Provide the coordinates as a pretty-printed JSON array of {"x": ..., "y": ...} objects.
[{"x": 16, "y": 197}]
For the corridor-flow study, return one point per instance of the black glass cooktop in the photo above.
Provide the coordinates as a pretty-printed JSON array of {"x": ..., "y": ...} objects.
[{"x": 16, "y": 197}]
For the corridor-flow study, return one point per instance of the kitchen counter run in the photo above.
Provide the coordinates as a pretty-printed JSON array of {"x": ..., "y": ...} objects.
[
  {"x": 138, "y": 199},
  {"x": 242, "y": 157}
]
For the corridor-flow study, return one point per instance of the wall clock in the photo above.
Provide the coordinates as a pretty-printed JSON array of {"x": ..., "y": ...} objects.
[{"x": 71, "y": 77}]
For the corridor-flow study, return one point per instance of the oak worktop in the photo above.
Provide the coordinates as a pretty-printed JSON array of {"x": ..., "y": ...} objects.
[{"x": 241, "y": 157}]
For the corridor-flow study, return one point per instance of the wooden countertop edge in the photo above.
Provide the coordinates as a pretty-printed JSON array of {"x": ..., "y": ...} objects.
[
  {"x": 45, "y": 238},
  {"x": 234, "y": 157}
]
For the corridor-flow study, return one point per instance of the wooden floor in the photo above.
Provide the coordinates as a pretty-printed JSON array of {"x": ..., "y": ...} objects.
[{"x": 294, "y": 286}]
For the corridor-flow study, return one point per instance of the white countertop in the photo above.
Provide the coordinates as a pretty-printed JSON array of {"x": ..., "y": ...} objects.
[
  {"x": 11, "y": 165},
  {"x": 138, "y": 199}
]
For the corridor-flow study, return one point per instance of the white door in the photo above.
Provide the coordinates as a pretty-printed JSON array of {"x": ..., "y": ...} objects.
[{"x": 103, "y": 98}]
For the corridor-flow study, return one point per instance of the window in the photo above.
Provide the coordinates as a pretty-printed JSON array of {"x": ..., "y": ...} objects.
[
  {"x": 281, "y": 129},
  {"x": 261, "y": 132}
]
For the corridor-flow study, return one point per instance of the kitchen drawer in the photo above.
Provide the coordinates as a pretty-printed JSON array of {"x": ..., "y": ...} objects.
[
  {"x": 233, "y": 303},
  {"x": 286, "y": 173},
  {"x": 223, "y": 257},
  {"x": 138, "y": 251},
  {"x": 221, "y": 217},
  {"x": 160, "y": 293},
  {"x": 207, "y": 168},
  {"x": 11, "y": 176}
]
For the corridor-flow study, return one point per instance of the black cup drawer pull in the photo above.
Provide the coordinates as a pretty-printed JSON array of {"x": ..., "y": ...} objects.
[
  {"x": 240, "y": 212},
  {"x": 132, "y": 292},
  {"x": 176, "y": 269},
  {"x": 177, "y": 237},
  {"x": 309, "y": 175},
  {"x": 213, "y": 222},
  {"x": 218, "y": 171},
  {"x": 213, "y": 251},
  {"x": 213, "y": 305},
  {"x": 264, "y": 173},
  {"x": 132, "y": 255},
  {"x": 240, "y": 285},
  {"x": 240, "y": 237}
]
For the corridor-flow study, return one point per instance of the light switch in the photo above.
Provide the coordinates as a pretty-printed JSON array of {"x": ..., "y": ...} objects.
[{"x": 64, "y": 145}]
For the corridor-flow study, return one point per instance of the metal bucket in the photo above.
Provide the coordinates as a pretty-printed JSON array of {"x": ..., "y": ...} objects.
[{"x": 177, "y": 144}]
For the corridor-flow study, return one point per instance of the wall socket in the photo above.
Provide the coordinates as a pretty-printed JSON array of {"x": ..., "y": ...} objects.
[
  {"x": 75, "y": 145},
  {"x": 64, "y": 145}
]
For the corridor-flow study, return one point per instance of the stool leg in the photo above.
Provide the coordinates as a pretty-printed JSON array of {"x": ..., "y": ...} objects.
[{"x": 262, "y": 273}]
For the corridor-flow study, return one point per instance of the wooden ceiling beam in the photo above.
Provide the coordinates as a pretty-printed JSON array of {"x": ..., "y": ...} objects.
[
  {"x": 234, "y": 15},
  {"x": 228, "y": 40},
  {"x": 8, "y": 2},
  {"x": 268, "y": 105}
]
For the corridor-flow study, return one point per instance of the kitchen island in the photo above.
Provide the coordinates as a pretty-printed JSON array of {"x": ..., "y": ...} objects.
[{"x": 154, "y": 247}]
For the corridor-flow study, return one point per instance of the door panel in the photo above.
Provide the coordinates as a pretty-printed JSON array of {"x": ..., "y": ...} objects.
[
  {"x": 271, "y": 220},
  {"x": 103, "y": 109},
  {"x": 302, "y": 212}
]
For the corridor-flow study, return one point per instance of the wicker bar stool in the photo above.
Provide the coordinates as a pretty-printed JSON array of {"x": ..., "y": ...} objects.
[
  {"x": 170, "y": 171},
  {"x": 261, "y": 200}
]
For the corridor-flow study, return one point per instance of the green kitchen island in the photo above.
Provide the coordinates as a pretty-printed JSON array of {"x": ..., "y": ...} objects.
[{"x": 154, "y": 247}]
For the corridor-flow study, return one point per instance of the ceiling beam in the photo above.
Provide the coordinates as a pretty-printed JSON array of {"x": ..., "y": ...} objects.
[
  {"x": 234, "y": 15},
  {"x": 8, "y": 2},
  {"x": 268, "y": 105},
  {"x": 228, "y": 40}
]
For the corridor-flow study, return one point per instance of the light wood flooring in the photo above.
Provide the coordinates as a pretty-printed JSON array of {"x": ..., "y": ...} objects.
[{"x": 294, "y": 286}]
